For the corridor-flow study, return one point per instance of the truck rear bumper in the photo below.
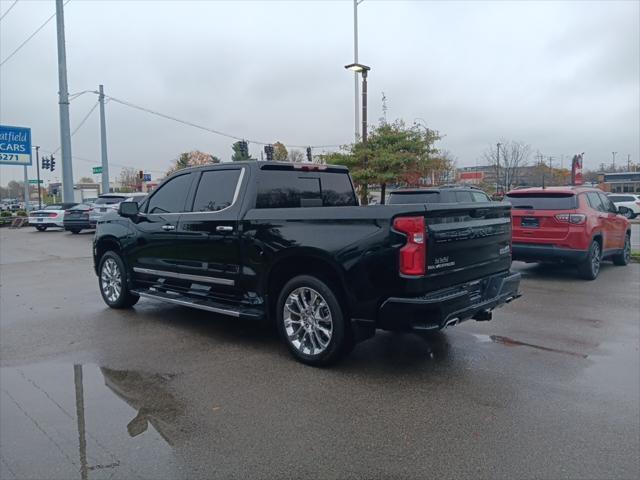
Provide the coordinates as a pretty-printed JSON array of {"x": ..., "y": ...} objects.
[
  {"x": 439, "y": 309},
  {"x": 532, "y": 253}
]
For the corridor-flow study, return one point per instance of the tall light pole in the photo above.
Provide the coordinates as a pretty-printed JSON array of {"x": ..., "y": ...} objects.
[
  {"x": 355, "y": 75},
  {"x": 63, "y": 101},
  {"x": 613, "y": 156},
  {"x": 364, "y": 70},
  {"x": 498, "y": 167}
]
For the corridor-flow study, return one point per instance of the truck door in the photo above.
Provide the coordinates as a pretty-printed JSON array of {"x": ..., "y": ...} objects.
[
  {"x": 154, "y": 255},
  {"x": 208, "y": 234}
]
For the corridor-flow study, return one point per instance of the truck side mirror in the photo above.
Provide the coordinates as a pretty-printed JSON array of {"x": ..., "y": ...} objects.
[{"x": 128, "y": 209}]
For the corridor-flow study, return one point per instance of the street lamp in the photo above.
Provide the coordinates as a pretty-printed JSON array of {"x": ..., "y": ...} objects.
[{"x": 362, "y": 69}]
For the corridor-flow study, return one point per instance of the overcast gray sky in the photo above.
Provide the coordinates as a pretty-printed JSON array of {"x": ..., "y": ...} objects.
[{"x": 561, "y": 76}]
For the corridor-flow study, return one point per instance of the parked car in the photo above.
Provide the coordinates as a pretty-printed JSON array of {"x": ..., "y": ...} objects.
[
  {"x": 50, "y": 216},
  {"x": 289, "y": 243},
  {"x": 452, "y": 194},
  {"x": 108, "y": 203},
  {"x": 78, "y": 218},
  {"x": 628, "y": 203},
  {"x": 576, "y": 225}
]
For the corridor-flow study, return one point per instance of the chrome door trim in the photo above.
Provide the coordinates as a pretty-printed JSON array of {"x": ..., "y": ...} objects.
[{"x": 185, "y": 276}]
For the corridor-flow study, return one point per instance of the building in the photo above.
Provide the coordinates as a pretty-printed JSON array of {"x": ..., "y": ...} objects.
[{"x": 621, "y": 182}]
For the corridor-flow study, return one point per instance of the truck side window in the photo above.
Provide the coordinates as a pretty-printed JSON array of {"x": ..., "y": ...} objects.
[
  {"x": 216, "y": 190},
  {"x": 171, "y": 196}
]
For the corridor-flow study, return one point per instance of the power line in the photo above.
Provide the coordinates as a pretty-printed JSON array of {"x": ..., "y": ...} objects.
[
  {"x": 207, "y": 129},
  {"x": 82, "y": 122},
  {"x": 29, "y": 37},
  {"x": 8, "y": 9}
]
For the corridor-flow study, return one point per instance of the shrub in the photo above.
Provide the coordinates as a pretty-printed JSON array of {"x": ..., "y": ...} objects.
[
  {"x": 21, "y": 213},
  {"x": 6, "y": 214}
]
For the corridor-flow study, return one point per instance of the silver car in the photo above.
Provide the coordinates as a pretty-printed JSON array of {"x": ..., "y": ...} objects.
[{"x": 109, "y": 203}]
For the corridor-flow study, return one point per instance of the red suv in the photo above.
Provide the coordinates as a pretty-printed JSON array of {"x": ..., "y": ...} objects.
[{"x": 577, "y": 225}]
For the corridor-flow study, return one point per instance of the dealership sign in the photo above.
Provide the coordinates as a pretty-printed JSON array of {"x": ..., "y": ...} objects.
[{"x": 15, "y": 145}]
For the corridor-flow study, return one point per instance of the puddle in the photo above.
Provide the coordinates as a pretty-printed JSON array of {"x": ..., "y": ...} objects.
[
  {"x": 87, "y": 422},
  {"x": 509, "y": 342}
]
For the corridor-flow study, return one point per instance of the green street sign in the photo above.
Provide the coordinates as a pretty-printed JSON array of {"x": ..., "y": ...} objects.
[
  {"x": 97, "y": 170},
  {"x": 31, "y": 181}
]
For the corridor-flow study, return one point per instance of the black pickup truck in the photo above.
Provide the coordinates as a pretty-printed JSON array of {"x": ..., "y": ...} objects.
[{"x": 289, "y": 243}]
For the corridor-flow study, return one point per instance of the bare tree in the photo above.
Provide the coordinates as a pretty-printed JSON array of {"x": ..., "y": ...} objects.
[
  {"x": 128, "y": 179},
  {"x": 513, "y": 156},
  {"x": 296, "y": 156}
]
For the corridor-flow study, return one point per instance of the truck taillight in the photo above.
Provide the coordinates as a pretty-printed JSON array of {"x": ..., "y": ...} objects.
[
  {"x": 575, "y": 218},
  {"x": 414, "y": 254}
]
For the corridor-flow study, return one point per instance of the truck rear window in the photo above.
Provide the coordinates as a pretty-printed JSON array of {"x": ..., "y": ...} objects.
[
  {"x": 550, "y": 201},
  {"x": 397, "y": 198},
  {"x": 287, "y": 189}
]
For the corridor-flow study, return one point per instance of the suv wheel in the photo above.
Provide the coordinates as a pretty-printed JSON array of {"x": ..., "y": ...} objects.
[
  {"x": 590, "y": 267},
  {"x": 625, "y": 257},
  {"x": 75, "y": 230},
  {"x": 312, "y": 322},
  {"x": 40, "y": 228},
  {"x": 113, "y": 282}
]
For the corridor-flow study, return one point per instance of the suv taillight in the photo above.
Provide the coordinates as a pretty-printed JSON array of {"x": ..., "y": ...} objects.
[
  {"x": 575, "y": 218},
  {"x": 414, "y": 254}
]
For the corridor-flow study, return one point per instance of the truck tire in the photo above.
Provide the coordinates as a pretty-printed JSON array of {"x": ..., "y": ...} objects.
[
  {"x": 112, "y": 279},
  {"x": 312, "y": 321},
  {"x": 624, "y": 258},
  {"x": 74, "y": 230},
  {"x": 590, "y": 267}
]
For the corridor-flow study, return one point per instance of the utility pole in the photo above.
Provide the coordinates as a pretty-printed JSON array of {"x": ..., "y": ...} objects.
[
  {"x": 63, "y": 101},
  {"x": 551, "y": 168},
  {"x": 613, "y": 154},
  {"x": 37, "y": 147},
  {"x": 26, "y": 189},
  {"x": 498, "y": 167},
  {"x": 628, "y": 162},
  {"x": 103, "y": 142},
  {"x": 355, "y": 74}
]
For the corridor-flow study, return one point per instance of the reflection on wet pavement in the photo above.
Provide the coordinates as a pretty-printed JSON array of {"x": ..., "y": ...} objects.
[
  {"x": 510, "y": 342},
  {"x": 87, "y": 422}
]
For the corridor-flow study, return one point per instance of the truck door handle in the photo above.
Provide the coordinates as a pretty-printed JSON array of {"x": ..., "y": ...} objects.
[
  {"x": 168, "y": 228},
  {"x": 224, "y": 228}
]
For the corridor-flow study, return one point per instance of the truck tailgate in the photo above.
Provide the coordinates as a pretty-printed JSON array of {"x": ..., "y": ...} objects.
[{"x": 466, "y": 241}]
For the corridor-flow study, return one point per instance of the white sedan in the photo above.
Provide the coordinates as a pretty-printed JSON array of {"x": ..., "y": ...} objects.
[
  {"x": 627, "y": 203},
  {"x": 49, "y": 216}
]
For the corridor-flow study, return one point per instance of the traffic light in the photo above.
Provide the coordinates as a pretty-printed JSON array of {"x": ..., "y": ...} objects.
[
  {"x": 268, "y": 150},
  {"x": 52, "y": 161},
  {"x": 140, "y": 175},
  {"x": 309, "y": 154},
  {"x": 244, "y": 149},
  {"x": 45, "y": 163}
]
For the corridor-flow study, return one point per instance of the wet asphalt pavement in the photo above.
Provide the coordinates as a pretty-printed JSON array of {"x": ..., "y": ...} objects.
[{"x": 548, "y": 389}]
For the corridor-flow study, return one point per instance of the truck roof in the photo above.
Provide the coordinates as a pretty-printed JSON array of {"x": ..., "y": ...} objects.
[{"x": 569, "y": 190}]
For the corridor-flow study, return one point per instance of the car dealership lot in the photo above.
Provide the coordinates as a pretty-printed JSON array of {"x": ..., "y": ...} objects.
[{"x": 548, "y": 389}]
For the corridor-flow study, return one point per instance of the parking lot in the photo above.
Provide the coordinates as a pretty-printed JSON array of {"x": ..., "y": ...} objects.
[{"x": 548, "y": 389}]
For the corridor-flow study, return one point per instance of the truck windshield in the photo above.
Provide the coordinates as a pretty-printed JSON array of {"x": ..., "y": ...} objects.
[
  {"x": 287, "y": 189},
  {"x": 546, "y": 201}
]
